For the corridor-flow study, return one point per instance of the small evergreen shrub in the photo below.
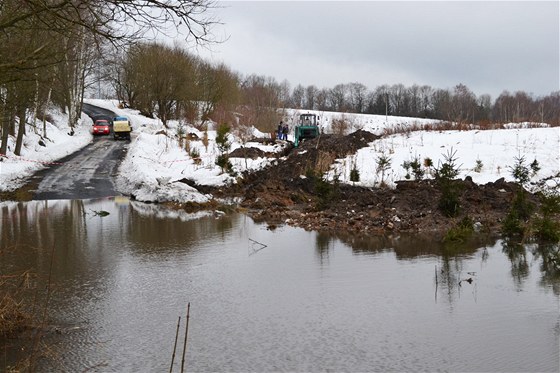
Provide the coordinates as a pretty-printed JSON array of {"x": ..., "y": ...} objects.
[
  {"x": 445, "y": 175},
  {"x": 354, "y": 174},
  {"x": 515, "y": 223},
  {"x": 417, "y": 170},
  {"x": 478, "y": 166},
  {"x": 461, "y": 231},
  {"x": 546, "y": 228},
  {"x": 383, "y": 164}
]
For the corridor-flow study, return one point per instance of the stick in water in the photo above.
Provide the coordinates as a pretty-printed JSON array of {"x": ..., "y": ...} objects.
[
  {"x": 186, "y": 332},
  {"x": 175, "y": 345}
]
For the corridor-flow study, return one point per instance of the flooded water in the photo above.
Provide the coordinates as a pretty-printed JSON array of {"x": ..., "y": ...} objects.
[{"x": 262, "y": 300}]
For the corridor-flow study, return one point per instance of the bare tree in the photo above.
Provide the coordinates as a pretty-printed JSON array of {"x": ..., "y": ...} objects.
[
  {"x": 441, "y": 100},
  {"x": 163, "y": 79},
  {"x": 357, "y": 94},
  {"x": 463, "y": 104},
  {"x": 322, "y": 99},
  {"x": 414, "y": 101},
  {"x": 260, "y": 102},
  {"x": 504, "y": 107},
  {"x": 426, "y": 105},
  {"x": 298, "y": 97},
  {"x": 338, "y": 97},
  {"x": 397, "y": 94},
  {"x": 484, "y": 103},
  {"x": 284, "y": 94},
  {"x": 110, "y": 19},
  {"x": 217, "y": 91},
  {"x": 311, "y": 97}
]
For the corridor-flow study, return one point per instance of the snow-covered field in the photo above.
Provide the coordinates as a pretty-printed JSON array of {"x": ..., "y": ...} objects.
[
  {"x": 483, "y": 155},
  {"x": 155, "y": 161}
]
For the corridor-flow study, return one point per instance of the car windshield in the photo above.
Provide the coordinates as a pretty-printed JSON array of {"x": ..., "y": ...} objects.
[
  {"x": 101, "y": 123},
  {"x": 120, "y": 118}
]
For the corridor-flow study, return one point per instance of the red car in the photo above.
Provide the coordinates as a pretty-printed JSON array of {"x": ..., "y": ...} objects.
[{"x": 101, "y": 127}]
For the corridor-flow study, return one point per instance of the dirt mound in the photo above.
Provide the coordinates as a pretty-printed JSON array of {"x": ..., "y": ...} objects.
[
  {"x": 312, "y": 156},
  {"x": 340, "y": 145},
  {"x": 249, "y": 152},
  {"x": 292, "y": 191}
]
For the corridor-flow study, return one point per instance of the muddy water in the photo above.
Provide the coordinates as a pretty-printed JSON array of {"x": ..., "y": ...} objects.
[{"x": 262, "y": 300}]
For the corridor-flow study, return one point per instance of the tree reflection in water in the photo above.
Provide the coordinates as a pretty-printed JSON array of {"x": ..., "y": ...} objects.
[
  {"x": 547, "y": 253},
  {"x": 550, "y": 265}
]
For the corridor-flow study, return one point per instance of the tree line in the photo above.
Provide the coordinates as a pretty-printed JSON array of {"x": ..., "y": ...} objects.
[
  {"x": 458, "y": 104},
  {"x": 172, "y": 84}
]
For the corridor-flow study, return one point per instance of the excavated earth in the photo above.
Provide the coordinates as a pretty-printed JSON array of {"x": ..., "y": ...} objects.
[{"x": 287, "y": 192}]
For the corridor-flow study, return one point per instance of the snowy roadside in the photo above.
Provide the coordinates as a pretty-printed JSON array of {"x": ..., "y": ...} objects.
[
  {"x": 156, "y": 165},
  {"x": 39, "y": 152}
]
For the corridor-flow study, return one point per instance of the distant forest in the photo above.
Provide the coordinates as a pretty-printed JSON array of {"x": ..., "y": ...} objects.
[{"x": 455, "y": 105}]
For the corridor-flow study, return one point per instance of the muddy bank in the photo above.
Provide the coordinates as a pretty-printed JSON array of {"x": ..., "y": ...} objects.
[{"x": 291, "y": 192}]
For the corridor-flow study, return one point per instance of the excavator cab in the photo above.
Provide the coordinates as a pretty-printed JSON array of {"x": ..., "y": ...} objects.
[{"x": 307, "y": 128}]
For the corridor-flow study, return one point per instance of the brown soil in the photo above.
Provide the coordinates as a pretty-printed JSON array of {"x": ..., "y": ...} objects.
[{"x": 288, "y": 193}]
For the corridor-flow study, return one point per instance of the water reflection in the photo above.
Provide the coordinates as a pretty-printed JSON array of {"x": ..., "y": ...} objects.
[{"x": 282, "y": 300}]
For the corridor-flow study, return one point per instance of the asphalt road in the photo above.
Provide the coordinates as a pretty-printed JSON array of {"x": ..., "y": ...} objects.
[{"x": 87, "y": 173}]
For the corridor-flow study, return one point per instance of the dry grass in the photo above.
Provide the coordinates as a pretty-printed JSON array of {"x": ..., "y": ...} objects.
[
  {"x": 12, "y": 317},
  {"x": 340, "y": 126},
  {"x": 405, "y": 128},
  {"x": 14, "y": 313},
  {"x": 324, "y": 161},
  {"x": 19, "y": 310}
]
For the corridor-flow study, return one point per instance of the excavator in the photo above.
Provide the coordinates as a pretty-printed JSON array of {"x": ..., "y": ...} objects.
[{"x": 307, "y": 128}]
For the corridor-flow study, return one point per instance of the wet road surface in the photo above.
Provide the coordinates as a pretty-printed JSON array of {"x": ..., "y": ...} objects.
[{"x": 88, "y": 173}]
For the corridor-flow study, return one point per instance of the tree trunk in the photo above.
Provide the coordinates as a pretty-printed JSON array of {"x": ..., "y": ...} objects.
[
  {"x": 44, "y": 115},
  {"x": 6, "y": 124},
  {"x": 75, "y": 67},
  {"x": 5, "y": 131},
  {"x": 35, "y": 105},
  {"x": 21, "y": 131}
]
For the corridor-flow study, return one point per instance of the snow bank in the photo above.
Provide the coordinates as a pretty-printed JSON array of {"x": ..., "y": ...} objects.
[{"x": 39, "y": 152}]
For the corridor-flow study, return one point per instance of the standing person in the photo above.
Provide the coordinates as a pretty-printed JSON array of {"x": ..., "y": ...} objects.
[
  {"x": 285, "y": 132},
  {"x": 280, "y": 130}
]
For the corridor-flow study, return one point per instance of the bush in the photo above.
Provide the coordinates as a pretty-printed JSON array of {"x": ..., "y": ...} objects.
[
  {"x": 340, "y": 126},
  {"x": 546, "y": 228},
  {"x": 417, "y": 170},
  {"x": 354, "y": 174},
  {"x": 511, "y": 226},
  {"x": 383, "y": 164},
  {"x": 406, "y": 166},
  {"x": 324, "y": 190},
  {"x": 223, "y": 162},
  {"x": 445, "y": 175},
  {"x": 515, "y": 223},
  {"x": 478, "y": 166},
  {"x": 461, "y": 231},
  {"x": 223, "y": 146}
]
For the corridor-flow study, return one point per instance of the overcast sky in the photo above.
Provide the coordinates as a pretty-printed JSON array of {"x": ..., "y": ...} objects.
[{"x": 488, "y": 46}]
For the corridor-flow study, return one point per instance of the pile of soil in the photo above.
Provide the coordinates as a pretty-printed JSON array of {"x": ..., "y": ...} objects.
[{"x": 290, "y": 191}]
